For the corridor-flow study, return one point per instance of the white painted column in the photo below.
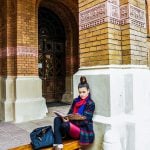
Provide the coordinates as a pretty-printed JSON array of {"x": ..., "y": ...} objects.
[
  {"x": 29, "y": 104},
  {"x": 21, "y": 99},
  {"x": 122, "y": 98},
  {"x": 7, "y": 96},
  {"x": 111, "y": 140}
]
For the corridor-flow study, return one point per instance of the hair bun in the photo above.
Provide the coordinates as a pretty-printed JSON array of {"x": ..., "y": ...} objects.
[{"x": 83, "y": 80}]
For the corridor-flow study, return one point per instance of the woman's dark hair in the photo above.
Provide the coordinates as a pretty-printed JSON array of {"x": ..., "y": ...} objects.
[{"x": 83, "y": 83}]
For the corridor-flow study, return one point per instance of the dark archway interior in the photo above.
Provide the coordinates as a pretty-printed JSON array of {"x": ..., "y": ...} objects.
[{"x": 51, "y": 39}]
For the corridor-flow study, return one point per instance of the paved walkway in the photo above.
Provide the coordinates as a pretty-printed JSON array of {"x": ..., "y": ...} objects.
[{"x": 15, "y": 134}]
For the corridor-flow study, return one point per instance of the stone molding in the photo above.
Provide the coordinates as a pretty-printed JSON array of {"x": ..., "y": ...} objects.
[
  {"x": 18, "y": 51},
  {"x": 115, "y": 67},
  {"x": 111, "y": 11}
]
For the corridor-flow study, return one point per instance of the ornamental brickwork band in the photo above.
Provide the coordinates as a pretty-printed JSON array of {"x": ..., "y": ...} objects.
[
  {"x": 99, "y": 14},
  {"x": 132, "y": 14},
  {"x": 19, "y": 51},
  {"x": 110, "y": 11}
]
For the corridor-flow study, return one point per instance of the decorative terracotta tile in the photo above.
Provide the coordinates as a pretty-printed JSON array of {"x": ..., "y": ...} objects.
[
  {"x": 93, "y": 16},
  {"x": 99, "y": 14},
  {"x": 132, "y": 14}
]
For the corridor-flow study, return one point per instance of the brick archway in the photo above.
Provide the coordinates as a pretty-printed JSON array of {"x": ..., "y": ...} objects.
[{"x": 69, "y": 20}]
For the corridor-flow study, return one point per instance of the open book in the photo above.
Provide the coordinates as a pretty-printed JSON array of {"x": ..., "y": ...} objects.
[
  {"x": 60, "y": 114},
  {"x": 70, "y": 116}
]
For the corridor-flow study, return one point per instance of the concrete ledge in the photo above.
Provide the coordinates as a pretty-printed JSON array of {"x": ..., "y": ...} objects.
[{"x": 115, "y": 67}]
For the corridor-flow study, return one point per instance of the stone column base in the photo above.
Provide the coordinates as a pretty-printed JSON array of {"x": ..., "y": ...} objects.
[
  {"x": 29, "y": 104},
  {"x": 1, "y": 100},
  {"x": 22, "y": 100},
  {"x": 122, "y": 99},
  {"x": 7, "y": 98}
]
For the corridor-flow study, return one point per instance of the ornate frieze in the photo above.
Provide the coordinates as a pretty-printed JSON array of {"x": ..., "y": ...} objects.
[
  {"x": 27, "y": 51},
  {"x": 110, "y": 11},
  {"x": 132, "y": 14},
  {"x": 137, "y": 16},
  {"x": 99, "y": 14},
  {"x": 113, "y": 13},
  {"x": 19, "y": 51},
  {"x": 93, "y": 16},
  {"x": 124, "y": 14},
  {"x": 115, "y": 2}
]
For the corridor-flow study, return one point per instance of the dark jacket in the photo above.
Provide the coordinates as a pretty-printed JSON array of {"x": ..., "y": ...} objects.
[{"x": 86, "y": 126}]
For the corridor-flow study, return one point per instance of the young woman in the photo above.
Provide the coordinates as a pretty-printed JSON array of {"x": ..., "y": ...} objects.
[{"x": 78, "y": 124}]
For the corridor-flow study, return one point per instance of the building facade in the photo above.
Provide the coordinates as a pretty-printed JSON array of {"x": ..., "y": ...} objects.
[
  {"x": 46, "y": 45},
  {"x": 38, "y": 55}
]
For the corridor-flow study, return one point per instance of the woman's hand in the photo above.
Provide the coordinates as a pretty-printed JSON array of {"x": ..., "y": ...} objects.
[{"x": 65, "y": 119}]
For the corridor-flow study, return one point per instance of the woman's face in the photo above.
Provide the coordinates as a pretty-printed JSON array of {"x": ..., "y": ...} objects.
[{"x": 83, "y": 92}]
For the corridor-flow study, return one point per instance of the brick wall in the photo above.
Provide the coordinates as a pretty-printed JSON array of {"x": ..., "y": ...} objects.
[
  {"x": 5, "y": 33},
  {"x": 19, "y": 38},
  {"x": 100, "y": 44},
  {"x": 134, "y": 35},
  {"x": 27, "y": 50},
  {"x": 19, "y": 31},
  {"x": 8, "y": 37},
  {"x": 112, "y": 39},
  {"x": 11, "y": 36},
  {"x": 109, "y": 34}
]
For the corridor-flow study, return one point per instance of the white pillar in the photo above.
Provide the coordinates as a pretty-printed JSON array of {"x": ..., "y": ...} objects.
[
  {"x": 111, "y": 140},
  {"x": 29, "y": 103},
  {"x": 21, "y": 99},
  {"x": 7, "y": 96},
  {"x": 122, "y": 96}
]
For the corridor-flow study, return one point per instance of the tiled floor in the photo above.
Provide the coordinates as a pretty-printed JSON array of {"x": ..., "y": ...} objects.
[{"x": 12, "y": 135}]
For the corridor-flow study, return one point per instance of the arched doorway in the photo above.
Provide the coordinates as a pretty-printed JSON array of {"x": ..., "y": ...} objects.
[
  {"x": 66, "y": 13},
  {"x": 51, "y": 39}
]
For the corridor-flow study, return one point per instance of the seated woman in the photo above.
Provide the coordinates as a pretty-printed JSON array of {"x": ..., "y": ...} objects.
[{"x": 78, "y": 124}]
